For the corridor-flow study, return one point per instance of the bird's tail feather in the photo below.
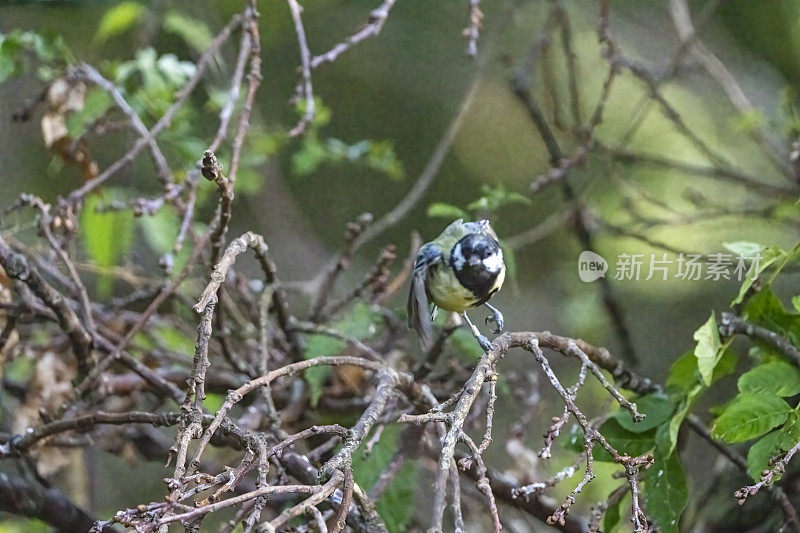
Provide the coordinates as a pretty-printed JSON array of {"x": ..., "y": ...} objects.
[{"x": 419, "y": 315}]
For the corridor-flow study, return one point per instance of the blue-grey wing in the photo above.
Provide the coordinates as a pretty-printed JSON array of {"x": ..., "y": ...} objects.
[{"x": 419, "y": 314}]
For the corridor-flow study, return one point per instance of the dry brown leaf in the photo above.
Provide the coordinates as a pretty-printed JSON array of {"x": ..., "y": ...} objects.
[{"x": 50, "y": 387}]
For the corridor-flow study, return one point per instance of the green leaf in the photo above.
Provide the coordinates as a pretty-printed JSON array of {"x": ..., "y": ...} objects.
[
  {"x": 767, "y": 256},
  {"x": 175, "y": 339},
  {"x": 685, "y": 385},
  {"x": 656, "y": 407},
  {"x": 443, "y": 210},
  {"x": 311, "y": 155},
  {"x": 708, "y": 350},
  {"x": 622, "y": 440},
  {"x": 683, "y": 373},
  {"x": 213, "y": 402},
  {"x": 748, "y": 417},
  {"x": 381, "y": 156},
  {"x": 759, "y": 454},
  {"x": 11, "y": 48},
  {"x": 766, "y": 309},
  {"x": 665, "y": 492},
  {"x": 744, "y": 249},
  {"x": 95, "y": 105},
  {"x": 667, "y": 434},
  {"x": 726, "y": 365},
  {"x": 160, "y": 230},
  {"x": 748, "y": 121},
  {"x": 319, "y": 346},
  {"x": 118, "y": 20},
  {"x": 613, "y": 518},
  {"x": 359, "y": 321},
  {"x": 106, "y": 237},
  {"x": 397, "y": 504},
  {"x": 790, "y": 432},
  {"x": 776, "y": 378},
  {"x": 496, "y": 197},
  {"x": 193, "y": 31}
]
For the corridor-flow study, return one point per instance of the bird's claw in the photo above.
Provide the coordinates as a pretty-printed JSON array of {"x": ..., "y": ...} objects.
[
  {"x": 497, "y": 319},
  {"x": 434, "y": 313},
  {"x": 484, "y": 342}
]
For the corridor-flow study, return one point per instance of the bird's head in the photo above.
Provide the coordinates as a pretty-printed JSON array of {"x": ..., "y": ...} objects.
[{"x": 476, "y": 259}]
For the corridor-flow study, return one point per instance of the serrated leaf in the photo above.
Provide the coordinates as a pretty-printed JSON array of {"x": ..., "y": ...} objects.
[
  {"x": 656, "y": 407},
  {"x": 776, "y": 378},
  {"x": 708, "y": 350},
  {"x": 748, "y": 417},
  {"x": 118, "y": 20},
  {"x": 665, "y": 492},
  {"x": 443, "y": 210}
]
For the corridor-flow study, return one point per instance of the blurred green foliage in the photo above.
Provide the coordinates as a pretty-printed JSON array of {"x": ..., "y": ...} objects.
[
  {"x": 360, "y": 321},
  {"x": 397, "y": 504}
]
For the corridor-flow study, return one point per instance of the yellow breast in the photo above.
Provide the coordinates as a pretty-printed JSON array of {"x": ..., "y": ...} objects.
[{"x": 448, "y": 294}]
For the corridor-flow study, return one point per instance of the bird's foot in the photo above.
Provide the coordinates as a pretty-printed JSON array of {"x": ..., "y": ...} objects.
[
  {"x": 482, "y": 340},
  {"x": 434, "y": 313},
  {"x": 485, "y": 343},
  {"x": 496, "y": 318}
]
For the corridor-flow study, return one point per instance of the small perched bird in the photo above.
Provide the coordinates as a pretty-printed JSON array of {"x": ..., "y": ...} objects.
[{"x": 460, "y": 269}]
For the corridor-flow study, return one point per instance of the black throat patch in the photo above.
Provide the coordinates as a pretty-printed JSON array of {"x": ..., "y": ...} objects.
[{"x": 466, "y": 260}]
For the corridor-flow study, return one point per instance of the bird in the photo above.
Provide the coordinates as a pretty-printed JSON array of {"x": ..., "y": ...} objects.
[{"x": 459, "y": 270}]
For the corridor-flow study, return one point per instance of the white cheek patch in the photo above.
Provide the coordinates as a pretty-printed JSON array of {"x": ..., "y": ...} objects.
[
  {"x": 458, "y": 257},
  {"x": 494, "y": 262}
]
